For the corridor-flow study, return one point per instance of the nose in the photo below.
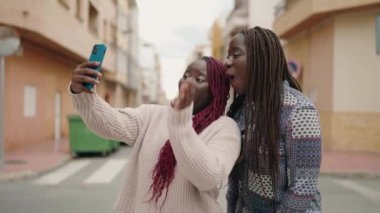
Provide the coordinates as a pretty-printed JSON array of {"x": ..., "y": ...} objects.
[
  {"x": 228, "y": 62},
  {"x": 189, "y": 80}
]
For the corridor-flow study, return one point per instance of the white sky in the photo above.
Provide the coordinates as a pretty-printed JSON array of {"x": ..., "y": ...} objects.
[{"x": 175, "y": 27}]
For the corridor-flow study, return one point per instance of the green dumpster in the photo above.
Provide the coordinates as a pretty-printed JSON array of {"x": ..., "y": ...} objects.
[
  {"x": 115, "y": 145},
  {"x": 83, "y": 140}
]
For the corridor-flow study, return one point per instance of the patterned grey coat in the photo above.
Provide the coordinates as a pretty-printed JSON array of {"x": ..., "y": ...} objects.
[{"x": 300, "y": 158}]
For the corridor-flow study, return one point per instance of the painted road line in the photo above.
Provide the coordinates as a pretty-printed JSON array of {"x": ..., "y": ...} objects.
[
  {"x": 366, "y": 192},
  {"x": 107, "y": 172},
  {"x": 63, "y": 173}
]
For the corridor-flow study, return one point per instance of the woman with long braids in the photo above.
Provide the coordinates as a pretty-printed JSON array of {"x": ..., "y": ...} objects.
[
  {"x": 181, "y": 152},
  {"x": 278, "y": 168}
]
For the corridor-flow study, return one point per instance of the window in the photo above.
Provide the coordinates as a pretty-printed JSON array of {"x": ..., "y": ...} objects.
[
  {"x": 78, "y": 12},
  {"x": 65, "y": 3},
  {"x": 93, "y": 19},
  {"x": 30, "y": 101},
  {"x": 378, "y": 34}
]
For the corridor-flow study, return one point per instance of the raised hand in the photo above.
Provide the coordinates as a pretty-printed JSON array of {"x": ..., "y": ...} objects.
[{"x": 185, "y": 96}]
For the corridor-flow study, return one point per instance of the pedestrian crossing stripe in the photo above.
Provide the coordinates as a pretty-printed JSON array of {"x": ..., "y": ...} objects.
[
  {"x": 107, "y": 172},
  {"x": 103, "y": 175},
  {"x": 63, "y": 173},
  {"x": 366, "y": 192}
]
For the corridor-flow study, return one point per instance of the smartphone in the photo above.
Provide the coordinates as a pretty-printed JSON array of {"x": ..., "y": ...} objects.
[{"x": 97, "y": 54}]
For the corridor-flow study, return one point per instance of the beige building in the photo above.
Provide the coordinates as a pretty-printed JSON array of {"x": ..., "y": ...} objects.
[
  {"x": 150, "y": 70},
  {"x": 237, "y": 20},
  {"x": 262, "y": 12},
  {"x": 57, "y": 35},
  {"x": 338, "y": 44},
  {"x": 199, "y": 51},
  {"x": 216, "y": 39}
]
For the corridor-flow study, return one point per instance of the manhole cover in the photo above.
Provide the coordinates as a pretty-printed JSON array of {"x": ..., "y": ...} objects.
[{"x": 15, "y": 162}]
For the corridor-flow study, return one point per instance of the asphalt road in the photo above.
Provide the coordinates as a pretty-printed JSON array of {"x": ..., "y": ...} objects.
[{"x": 91, "y": 183}]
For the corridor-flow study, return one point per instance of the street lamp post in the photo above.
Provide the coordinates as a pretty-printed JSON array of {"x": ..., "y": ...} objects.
[{"x": 9, "y": 44}]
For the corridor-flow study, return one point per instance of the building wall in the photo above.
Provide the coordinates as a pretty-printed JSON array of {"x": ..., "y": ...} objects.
[
  {"x": 55, "y": 38},
  {"x": 237, "y": 20},
  {"x": 356, "y": 131},
  {"x": 314, "y": 50},
  {"x": 150, "y": 72},
  {"x": 320, "y": 83},
  {"x": 36, "y": 67},
  {"x": 134, "y": 79},
  {"x": 299, "y": 49},
  {"x": 298, "y": 14},
  {"x": 261, "y": 13},
  {"x": 321, "y": 76},
  {"x": 49, "y": 72},
  {"x": 216, "y": 38},
  {"x": 356, "y": 64},
  {"x": 344, "y": 67},
  {"x": 52, "y": 21},
  {"x": 356, "y": 119}
]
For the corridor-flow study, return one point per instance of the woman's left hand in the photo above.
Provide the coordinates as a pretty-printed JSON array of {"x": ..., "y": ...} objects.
[{"x": 185, "y": 97}]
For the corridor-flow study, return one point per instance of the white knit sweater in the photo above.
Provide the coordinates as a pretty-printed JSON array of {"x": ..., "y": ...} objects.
[{"x": 203, "y": 161}]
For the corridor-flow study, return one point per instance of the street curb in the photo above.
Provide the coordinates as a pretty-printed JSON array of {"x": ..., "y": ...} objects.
[
  {"x": 367, "y": 175},
  {"x": 5, "y": 178}
]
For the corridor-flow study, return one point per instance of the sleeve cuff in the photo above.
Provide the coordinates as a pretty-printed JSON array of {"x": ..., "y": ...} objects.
[
  {"x": 81, "y": 100},
  {"x": 181, "y": 117}
]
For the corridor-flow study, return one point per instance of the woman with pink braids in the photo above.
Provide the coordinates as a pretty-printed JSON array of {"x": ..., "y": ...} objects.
[{"x": 181, "y": 153}]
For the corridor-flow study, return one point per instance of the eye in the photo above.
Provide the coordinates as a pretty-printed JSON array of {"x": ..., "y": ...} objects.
[
  {"x": 200, "y": 80},
  {"x": 185, "y": 76},
  {"x": 236, "y": 55}
]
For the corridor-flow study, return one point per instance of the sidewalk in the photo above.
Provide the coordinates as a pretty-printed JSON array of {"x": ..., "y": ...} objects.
[
  {"x": 37, "y": 160},
  {"x": 351, "y": 163},
  {"x": 33, "y": 161}
]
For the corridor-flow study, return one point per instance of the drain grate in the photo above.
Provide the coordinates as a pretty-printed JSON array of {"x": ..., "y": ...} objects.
[{"x": 15, "y": 162}]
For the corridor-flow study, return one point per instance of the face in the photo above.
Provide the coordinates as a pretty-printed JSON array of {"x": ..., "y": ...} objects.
[
  {"x": 196, "y": 74},
  {"x": 236, "y": 63}
]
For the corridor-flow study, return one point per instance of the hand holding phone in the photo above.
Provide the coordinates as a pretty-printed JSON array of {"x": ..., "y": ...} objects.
[{"x": 97, "y": 55}]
